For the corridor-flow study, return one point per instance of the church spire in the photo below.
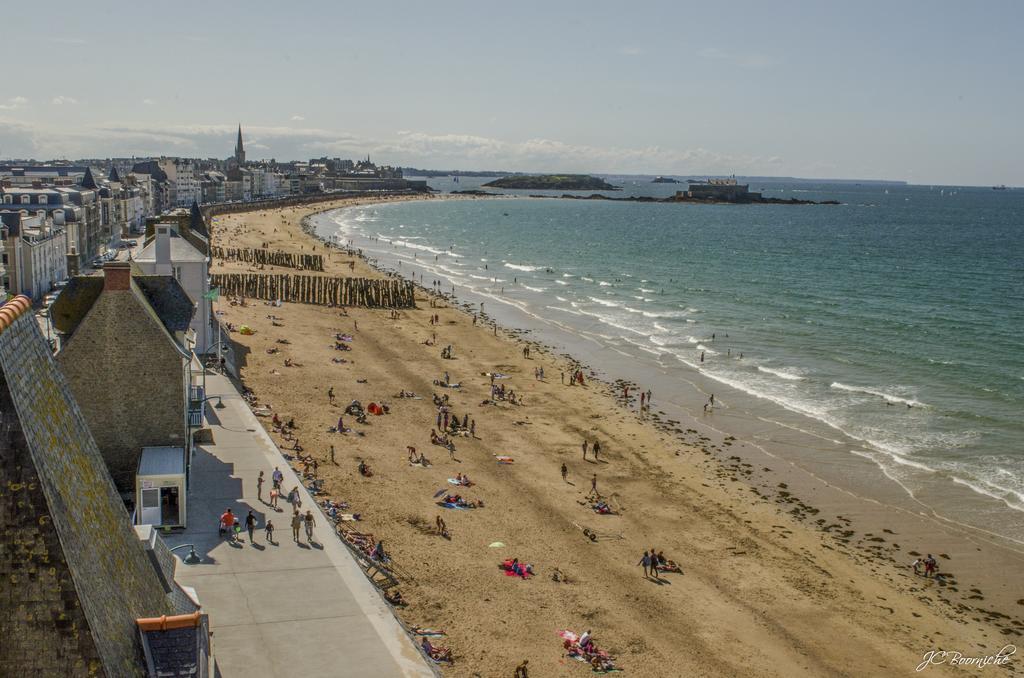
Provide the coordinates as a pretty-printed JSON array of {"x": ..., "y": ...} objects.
[{"x": 239, "y": 149}]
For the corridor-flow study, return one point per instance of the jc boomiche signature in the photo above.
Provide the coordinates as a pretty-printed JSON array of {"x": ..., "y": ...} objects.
[{"x": 954, "y": 658}]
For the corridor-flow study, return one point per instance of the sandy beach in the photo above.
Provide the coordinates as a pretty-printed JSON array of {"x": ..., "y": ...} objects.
[{"x": 761, "y": 591}]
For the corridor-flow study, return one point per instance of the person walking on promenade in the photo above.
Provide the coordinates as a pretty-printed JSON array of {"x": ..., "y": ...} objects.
[
  {"x": 270, "y": 531},
  {"x": 259, "y": 487},
  {"x": 565, "y": 473},
  {"x": 250, "y": 527},
  {"x": 277, "y": 477},
  {"x": 310, "y": 524},
  {"x": 296, "y": 524}
]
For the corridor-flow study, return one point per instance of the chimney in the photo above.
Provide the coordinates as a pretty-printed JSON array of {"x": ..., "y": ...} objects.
[
  {"x": 72, "y": 256},
  {"x": 163, "y": 250},
  {"x": 117, "y": 276}
]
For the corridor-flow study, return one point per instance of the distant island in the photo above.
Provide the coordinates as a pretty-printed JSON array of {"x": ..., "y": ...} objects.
[
  {"x": 666, "y": 180},
  {"x": 553, "y": 182}
]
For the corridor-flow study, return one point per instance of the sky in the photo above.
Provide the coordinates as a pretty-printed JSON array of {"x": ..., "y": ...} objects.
[{"x": 926, "y": 92}]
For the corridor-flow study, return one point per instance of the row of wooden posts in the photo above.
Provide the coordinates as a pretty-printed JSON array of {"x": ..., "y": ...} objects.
[
  {"x": 308, "y": 262},
  {"x": 320, "y": 290}
]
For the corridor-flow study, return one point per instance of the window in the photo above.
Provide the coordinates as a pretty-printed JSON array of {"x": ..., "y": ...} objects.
[
  {"x": 26, "y": 199},
  {"x": 42, "y": 199},
  {"x": 8, "y": 199}
]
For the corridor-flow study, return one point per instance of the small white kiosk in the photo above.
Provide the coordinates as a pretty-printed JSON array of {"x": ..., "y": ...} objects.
[{"x": 160, "y": 487}]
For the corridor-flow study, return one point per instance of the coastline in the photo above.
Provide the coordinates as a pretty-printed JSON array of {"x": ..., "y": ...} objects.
[{"x": 661, "y": 475}]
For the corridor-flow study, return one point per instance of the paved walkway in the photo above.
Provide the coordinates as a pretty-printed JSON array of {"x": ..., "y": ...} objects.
[{"x": 284, "y": 610}]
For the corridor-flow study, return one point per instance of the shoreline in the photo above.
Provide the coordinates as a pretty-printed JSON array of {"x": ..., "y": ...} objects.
[{"x": 720, "y": 470}]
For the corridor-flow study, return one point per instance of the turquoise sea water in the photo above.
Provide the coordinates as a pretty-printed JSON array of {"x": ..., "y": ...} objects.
[{"x": 844, "y": 315}]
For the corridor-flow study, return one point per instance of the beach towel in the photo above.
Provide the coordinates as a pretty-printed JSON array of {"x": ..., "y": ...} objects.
[
  {"x": 429, "y": 633},
  {"x": 495, "y": 545},
  {"x": 374, "y": 408},
  {"x": 455, "y": 507},
  {"x": 503, "y": 459},
  {"x": 453, "y": 481}
]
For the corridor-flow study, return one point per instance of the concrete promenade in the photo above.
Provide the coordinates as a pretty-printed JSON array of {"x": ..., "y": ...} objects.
[{"x": 284, "y": 609}]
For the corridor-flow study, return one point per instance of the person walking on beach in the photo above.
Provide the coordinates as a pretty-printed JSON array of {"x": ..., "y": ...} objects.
[
  {"x": 643, "y": 397},
  {"x": 645, "y": 563},
  {"x": 250, "y": 527},
  {"x": 330, "y": 395},
  {"x": 597, "y": 449},
  {"x": 593, "y": 486},
  {"x": 270, "y": 531},
  {"x": 702, "y": 356},
  {"x": 341, "y": 426},
  {"x": 712, "y": 400},
  {"x": 521, "y": 671},
  {"x": 296, "y": 524},
  {"x": 584, "y": 446},
  {"x": 565, "y": 473},
  {"x": 649, "y": 398},
  {"x": 310, "y": 524},
  {"x": 259, "y": 487},
  {"x": 332, "y": 456}
]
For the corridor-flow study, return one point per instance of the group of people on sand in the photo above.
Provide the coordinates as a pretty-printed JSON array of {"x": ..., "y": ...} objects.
[
  {"x": 928, "y": 564},
  {"x": 417, "y": 459},
  {"x": 499, "y": 392},
  {"x": 585, "y": 650},
  {"x": 654, "y": 562}
]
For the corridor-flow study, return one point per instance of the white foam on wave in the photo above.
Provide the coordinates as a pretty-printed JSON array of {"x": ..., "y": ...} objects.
[
  {"x": 523, "y": 267},
  {"x": 789, "y": 373},
  {"x": 586, "y": 278},
  {"x": 644, "y": 289},
  {"x": 602, "y": 283},
  {"x": 881, "y": 394},
  {"x": 534, "y": 289},
  {"x": 568, "y": 275},
  {"x": 605, "y": 302},
  {"x": 561, "y": 282}
]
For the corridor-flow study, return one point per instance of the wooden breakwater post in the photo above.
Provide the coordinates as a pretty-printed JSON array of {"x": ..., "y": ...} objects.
[
  {"x": 318, "y": 290},
  {"x": 249, "y": 255}
]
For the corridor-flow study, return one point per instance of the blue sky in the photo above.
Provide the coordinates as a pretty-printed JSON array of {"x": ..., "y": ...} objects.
[{"x": 928, "y": 92}]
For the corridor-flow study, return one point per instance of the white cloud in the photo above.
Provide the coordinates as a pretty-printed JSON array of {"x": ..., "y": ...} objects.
[
  {"x": 297, "y": 118},
  {"x": 13, "y": 103},
  {"x": 60, "y": 100},
  {"x": 149, "y": 102},
  {"x": 751, "y": 60}
]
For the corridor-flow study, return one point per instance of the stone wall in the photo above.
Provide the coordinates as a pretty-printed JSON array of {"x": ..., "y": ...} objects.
[
  {"x": 321, "y": 290},
  {"x": 128, "y": 378},
  {"x": 73, "y": 574}
]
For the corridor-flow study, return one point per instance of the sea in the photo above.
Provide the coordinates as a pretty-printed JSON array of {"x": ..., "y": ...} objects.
[{"x": 887, "y": 330}]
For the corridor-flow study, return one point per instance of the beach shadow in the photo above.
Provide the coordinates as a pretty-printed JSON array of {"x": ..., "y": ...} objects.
[
  {"x": 301, "y": 545},
  {"x": 258, "y": 547},
  {"x": 659, "y": 581},
  {"x": 317, "y": 545},
  {"x": 569, "y": 482}
]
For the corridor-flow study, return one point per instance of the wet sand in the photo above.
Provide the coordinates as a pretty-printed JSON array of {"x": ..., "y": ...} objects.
[{"x": 765, "y": 588}]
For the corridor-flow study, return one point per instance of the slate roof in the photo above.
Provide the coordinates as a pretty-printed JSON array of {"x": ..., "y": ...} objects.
[
  {"x": 174, "y": 652},
  {"x": 114, "y": 177},
  {"x": 181, "y": 250},
  {"x": 196, "y": 221},
  {"x": 89, "y": 181},
  {"x": 164, "y": 294}
]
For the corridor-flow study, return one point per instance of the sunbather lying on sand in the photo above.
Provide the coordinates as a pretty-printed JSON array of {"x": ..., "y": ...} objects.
[
  {"x": 457, "y": 500},
  {"x": 514, "y": 568},
  {"x": 665, "y": 565},
  {"x": 438, "y": 654}
]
